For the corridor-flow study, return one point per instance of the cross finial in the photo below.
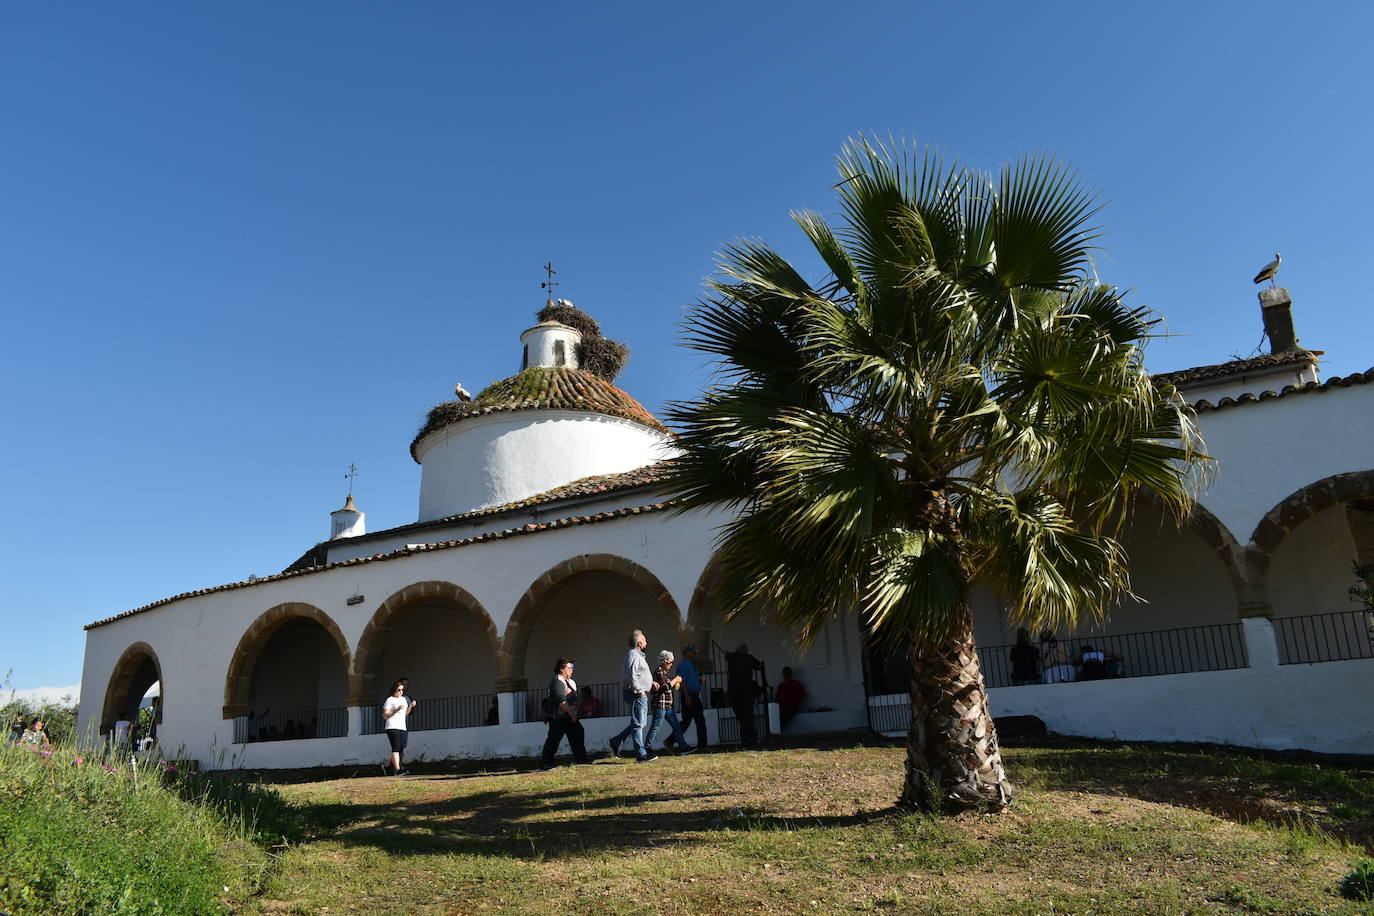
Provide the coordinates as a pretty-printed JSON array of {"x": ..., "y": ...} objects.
[
  {"x": 550, "y": 284},
  {"x": 352, "y": 473}
]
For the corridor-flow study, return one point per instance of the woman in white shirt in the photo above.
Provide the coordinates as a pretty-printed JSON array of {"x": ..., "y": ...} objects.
[{"x": 394, "y": 710}]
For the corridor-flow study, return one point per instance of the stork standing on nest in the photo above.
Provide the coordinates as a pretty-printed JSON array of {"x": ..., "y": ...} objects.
[
  {"x": 1269, "y": 270},
  {"x": 462, "y": 392}
]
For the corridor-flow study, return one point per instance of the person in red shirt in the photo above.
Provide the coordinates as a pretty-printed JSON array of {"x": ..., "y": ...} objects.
[
  {"x": 790, "y": 694},
  {"x": 590, "y": 707}
]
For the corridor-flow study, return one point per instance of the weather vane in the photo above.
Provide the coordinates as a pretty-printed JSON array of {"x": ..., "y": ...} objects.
[
  {"x": 550, "y": 284},
  {"x": 352, "y": 473}
]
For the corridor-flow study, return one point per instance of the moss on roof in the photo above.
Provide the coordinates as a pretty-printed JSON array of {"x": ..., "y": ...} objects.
[{"x": 541, "y": 389}]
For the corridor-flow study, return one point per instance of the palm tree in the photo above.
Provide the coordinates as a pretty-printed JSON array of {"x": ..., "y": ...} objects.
[{"x": 956, "y": 403}]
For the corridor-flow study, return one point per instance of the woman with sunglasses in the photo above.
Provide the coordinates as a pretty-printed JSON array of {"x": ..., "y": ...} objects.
[
  {"x": 394, "y": 711},
  {"x": 562, "y": 700}
]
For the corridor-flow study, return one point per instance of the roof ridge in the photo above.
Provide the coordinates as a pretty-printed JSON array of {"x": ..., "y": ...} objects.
[
  {"x": 572, "y": 521},
  {"x": 541, "y": 388},
  {"x": 1355, "y": 378},
  {"x": 1218, "y": 370},
  {"x": 594, "y": 484}
]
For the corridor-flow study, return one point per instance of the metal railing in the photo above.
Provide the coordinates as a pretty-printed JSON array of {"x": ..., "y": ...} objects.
[
  {"x": 1215, "y": 647},
  {"x": 1325, "y": 637},
  {"x": 529, "y": 702},
  {"x": 440, "y": 712},
  {"x": 291, "y": 726},
  {"x": 889, "y": 713},
  {"x": 715, "y": 695}
]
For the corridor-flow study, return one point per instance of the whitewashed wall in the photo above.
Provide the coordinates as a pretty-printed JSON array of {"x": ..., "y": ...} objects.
[
  {"x": 1321, "y": 707},
  {"x": 1269, "y": 450},
  {"x": 500, "y": 458}
]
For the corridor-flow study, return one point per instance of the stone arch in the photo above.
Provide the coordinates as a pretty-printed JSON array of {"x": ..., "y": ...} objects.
[
  {"x": 515, "y": 643},
  {"x": 361, "y": 686},
  {"x": 1280, "y": 521},
  {"x": 1214, "y": 533},
  {"x": 238, "y": 681},
  {"x": 122, "y": 683},
  {"x": 698, "y": 629}
]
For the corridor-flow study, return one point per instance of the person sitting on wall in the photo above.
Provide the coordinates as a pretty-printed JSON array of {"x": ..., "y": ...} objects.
[
  {"x": 1055, "y": 666},
  {"x": 790, "y": 695},
  {"x": 589, "y": 707},
  {"x": 18, "y": 727},
  {"x": 1096, "y": 664},
  {"x": 1025, "y": 661}
]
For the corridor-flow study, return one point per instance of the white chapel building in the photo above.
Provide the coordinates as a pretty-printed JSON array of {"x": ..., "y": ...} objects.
[{"x": 543, "y": 532}]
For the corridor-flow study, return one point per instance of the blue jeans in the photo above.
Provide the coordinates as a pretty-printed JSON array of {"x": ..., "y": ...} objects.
[
  {"x": 659, "y": 716},
  {"x": 639, "y": 711}
]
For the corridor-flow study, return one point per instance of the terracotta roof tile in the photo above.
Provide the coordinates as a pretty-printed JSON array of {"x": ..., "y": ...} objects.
[
  {"x": 1358, "y": 378},
  {"x": 1236, "y": 367},
  {"x": 555, "y": 525},
  {"x": 638, "y": 478},
  {"x": 541, "y": 389}
]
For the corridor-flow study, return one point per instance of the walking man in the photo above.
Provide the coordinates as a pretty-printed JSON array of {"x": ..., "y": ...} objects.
[
  {"x": 692, "y": 710},
  {"x": 635, "y": 680},
  {"x": 742, "y": 691}
]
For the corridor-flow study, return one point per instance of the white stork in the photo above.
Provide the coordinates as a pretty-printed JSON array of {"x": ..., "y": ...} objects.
[
  {"x": 1269, "y": 270},
  {"x": 462, "y": 392}
]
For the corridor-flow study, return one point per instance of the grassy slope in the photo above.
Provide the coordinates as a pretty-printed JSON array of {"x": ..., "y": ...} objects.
[
  {"x": 1095, "y": 830},
  {"x": 77, "y": 837}
]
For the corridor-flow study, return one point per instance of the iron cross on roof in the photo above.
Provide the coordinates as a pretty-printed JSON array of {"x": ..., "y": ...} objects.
[
  {"x": 352, "y": 473},
  {"x": 550, "y": 284}
]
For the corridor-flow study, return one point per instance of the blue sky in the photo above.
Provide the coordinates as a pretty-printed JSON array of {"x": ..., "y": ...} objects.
[{"x": 244, "y": 245}]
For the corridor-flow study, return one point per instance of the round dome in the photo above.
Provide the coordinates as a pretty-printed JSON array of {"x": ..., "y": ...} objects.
[
  {"x": 540, "y": 389},
  {"x": 528, "y": 434}
]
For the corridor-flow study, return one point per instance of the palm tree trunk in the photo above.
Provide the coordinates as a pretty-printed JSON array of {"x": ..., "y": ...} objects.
[{"x": 952, "y": 759}]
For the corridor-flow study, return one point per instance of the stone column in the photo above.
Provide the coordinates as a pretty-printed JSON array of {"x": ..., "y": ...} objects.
[
  {"x": 506, "y": 708},
  {"x": 1261, "y": 645}
]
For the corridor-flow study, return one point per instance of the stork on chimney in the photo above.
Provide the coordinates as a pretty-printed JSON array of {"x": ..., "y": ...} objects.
[{"x": 1269, "y": 270}]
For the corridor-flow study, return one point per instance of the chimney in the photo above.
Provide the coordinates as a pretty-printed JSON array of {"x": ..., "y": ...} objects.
[
  {"x": 347, "y": 522},
  {"x": 1276, "y": 306}
]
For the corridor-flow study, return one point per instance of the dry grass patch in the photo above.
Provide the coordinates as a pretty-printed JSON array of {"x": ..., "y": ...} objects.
[{"x": 804, "y": 830}]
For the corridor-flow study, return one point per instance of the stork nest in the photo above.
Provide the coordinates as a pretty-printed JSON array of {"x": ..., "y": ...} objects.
[{"x": 601, "y": 356}]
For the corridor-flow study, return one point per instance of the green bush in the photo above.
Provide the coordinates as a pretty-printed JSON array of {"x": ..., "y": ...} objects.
[
  {"x": 1359, "y": 884},
  {"x": 97, "y": 836},
  {"x": 59, "y": 717}
]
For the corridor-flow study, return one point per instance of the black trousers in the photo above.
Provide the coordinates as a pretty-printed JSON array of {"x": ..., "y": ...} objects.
[
  {"x": 742, "y": 703},
  {"x": 693, "y": 712},
  {"x": 559, "y": 726}
]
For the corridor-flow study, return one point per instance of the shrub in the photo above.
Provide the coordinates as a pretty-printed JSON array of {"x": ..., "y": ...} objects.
[
  {"x": 87, "y": 835},
  {"x": 1359, "y": 884}
]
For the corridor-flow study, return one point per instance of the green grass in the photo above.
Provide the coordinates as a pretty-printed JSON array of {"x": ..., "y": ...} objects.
[
  {"x": 88, "y": 836},
  {"x": 1095, "y": 829}
]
